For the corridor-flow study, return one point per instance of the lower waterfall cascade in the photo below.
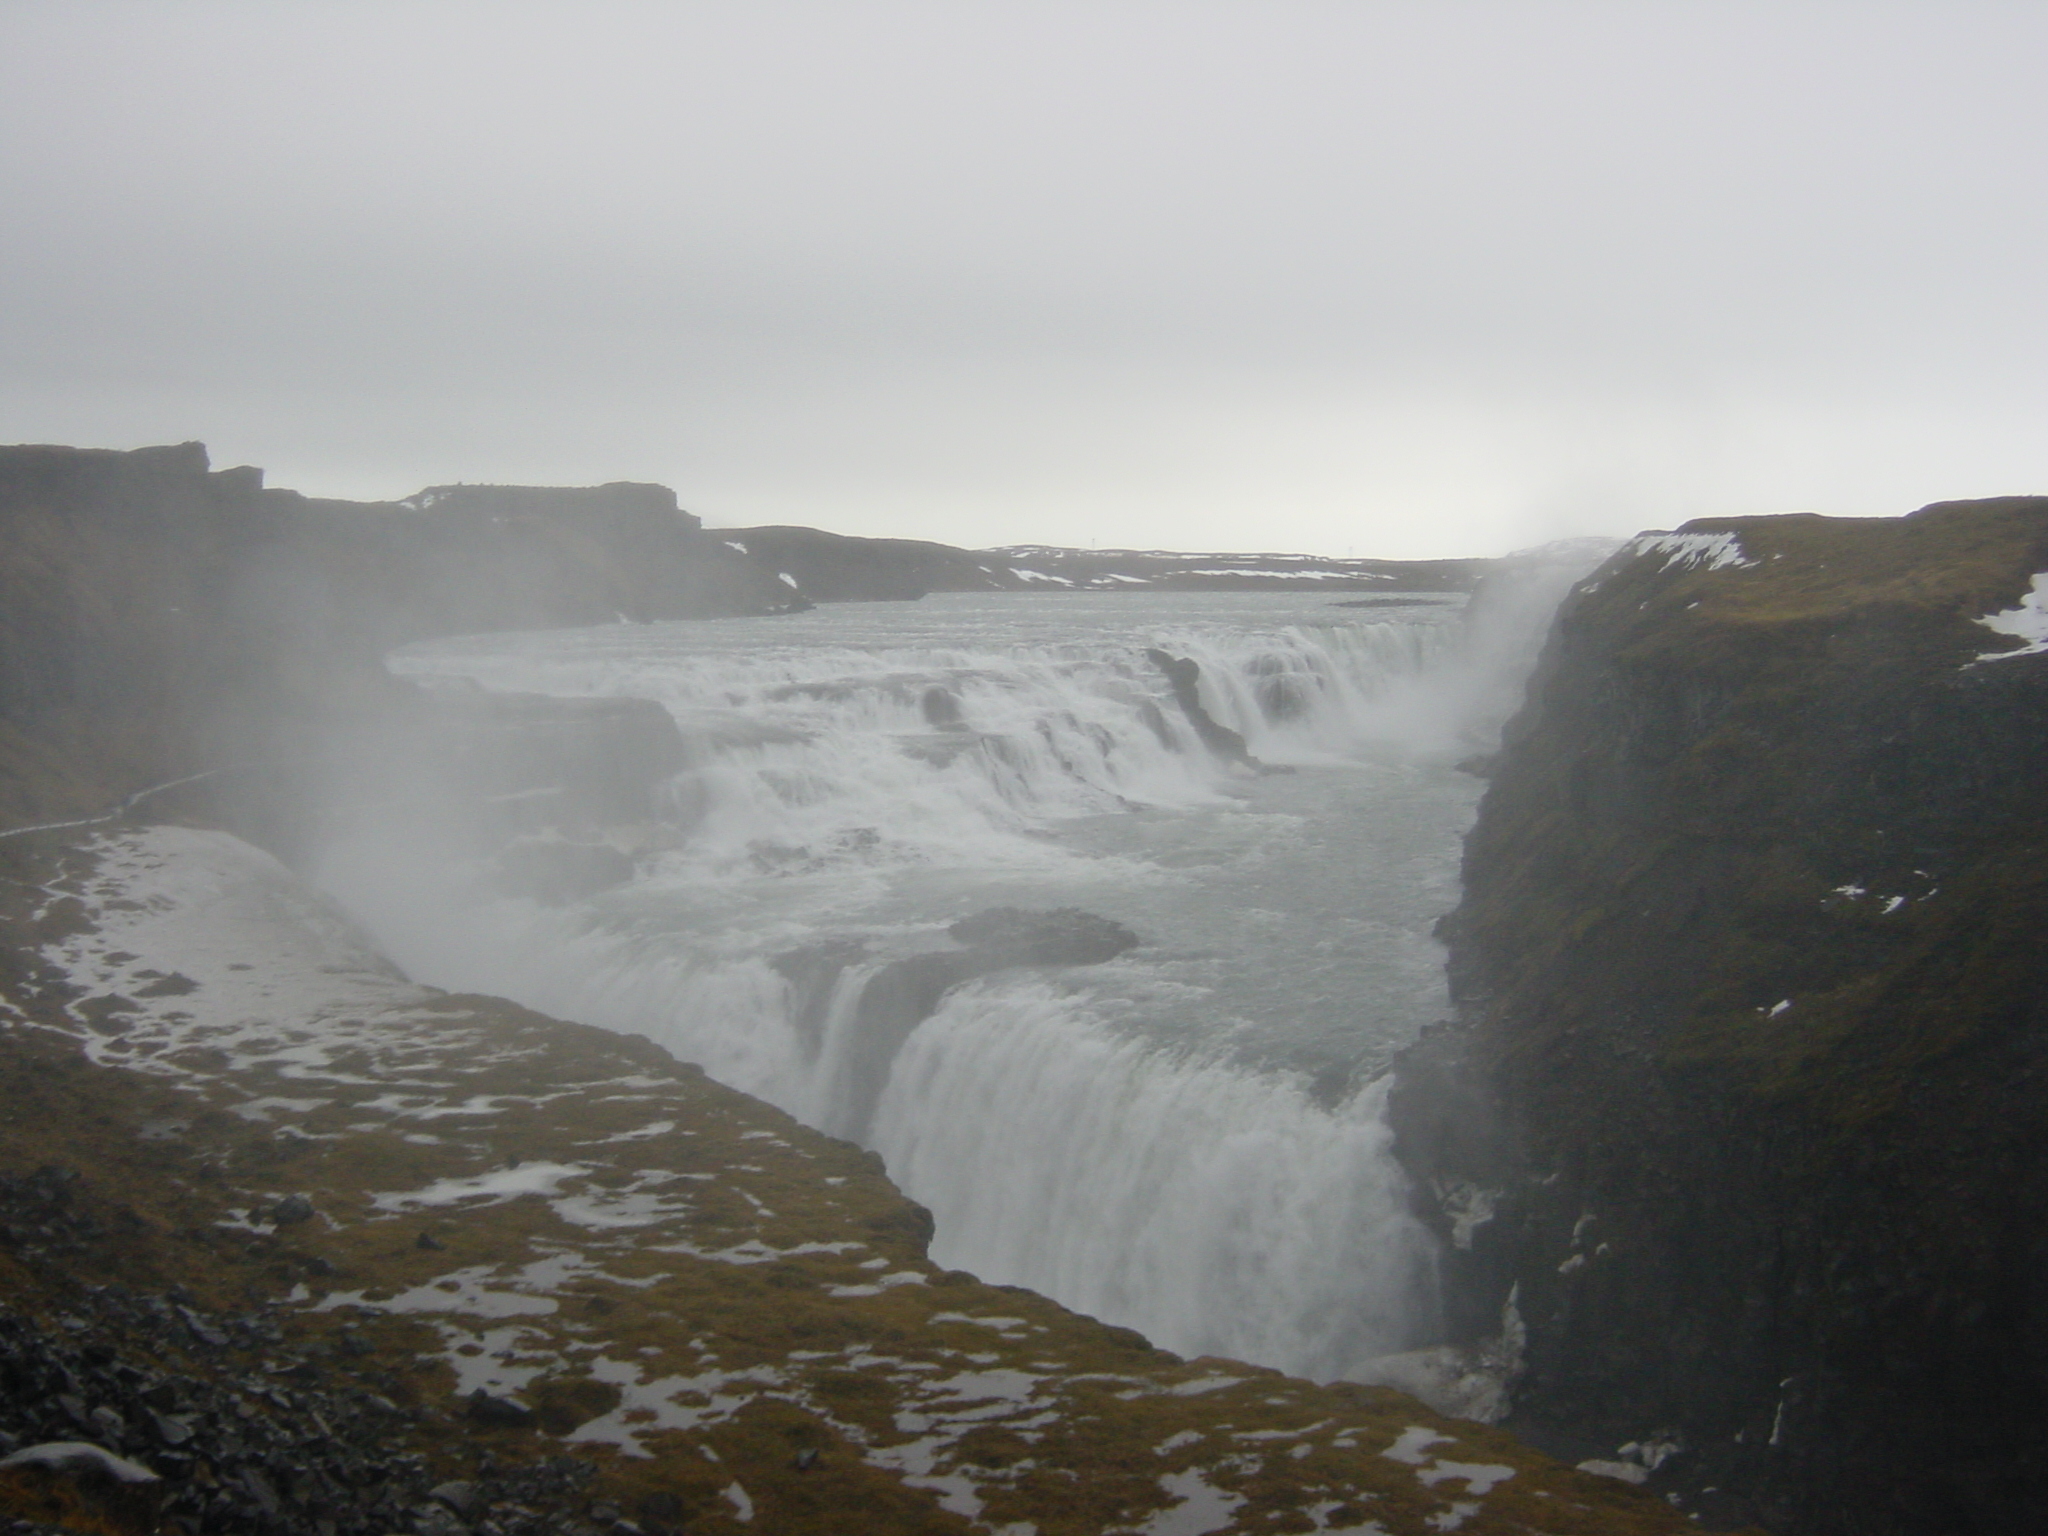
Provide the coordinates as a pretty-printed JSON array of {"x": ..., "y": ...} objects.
[{"x": 1186, "y": 1138}]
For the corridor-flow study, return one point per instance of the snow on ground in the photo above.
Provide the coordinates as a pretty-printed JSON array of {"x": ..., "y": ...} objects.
[
  {"x": 584, "y": 1211},
  {"x": 2028, "y": 621},
  {"x": 1687, "y": 551}
]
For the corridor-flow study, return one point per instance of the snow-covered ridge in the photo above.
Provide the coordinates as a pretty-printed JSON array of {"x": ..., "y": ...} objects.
[{"x": 1687, "y": 551}]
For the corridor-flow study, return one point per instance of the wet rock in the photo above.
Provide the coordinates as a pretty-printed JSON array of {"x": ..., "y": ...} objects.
[
  {"x": 291, "y": 1210},
  {"x": 458, "y": 1496},
  {"x": 76, "y": 1458},
  {"x": 902, "y": 995},
  {"x": 1184, "y": 676},
  {"x": 499, "y": 1412},
  {"x": 813, "y": 973},
  {"x": 941, "y": 707},
  {"x": 108, "y": 1491},
  {"x": 226, "y": 1441},
  {"x": 436, "y": 1520},
  {"x": 1749, "y": 1047},
  {"x": 1155, "y": 722},
  {"x": 1062, "y": 936}
]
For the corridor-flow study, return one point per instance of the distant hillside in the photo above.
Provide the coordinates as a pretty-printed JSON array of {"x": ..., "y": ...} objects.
[
  {"x": 836, "y": 568},
  {"x": 160, "y": 618}
]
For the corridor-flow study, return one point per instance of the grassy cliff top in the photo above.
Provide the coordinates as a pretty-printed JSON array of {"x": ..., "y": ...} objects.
[{"x": 1947, "y": 565}]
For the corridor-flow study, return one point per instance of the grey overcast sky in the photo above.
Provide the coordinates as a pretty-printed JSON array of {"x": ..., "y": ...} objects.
[{"x": 1409, "y": 279}]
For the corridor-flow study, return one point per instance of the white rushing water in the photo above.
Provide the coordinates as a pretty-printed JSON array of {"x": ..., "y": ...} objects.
[{"x": 1185, "y": 1139}]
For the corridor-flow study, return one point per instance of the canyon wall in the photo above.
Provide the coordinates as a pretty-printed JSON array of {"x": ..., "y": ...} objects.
[
  {"x": 162, "y": 619},
  {"x": 1743, "y": 1122}
]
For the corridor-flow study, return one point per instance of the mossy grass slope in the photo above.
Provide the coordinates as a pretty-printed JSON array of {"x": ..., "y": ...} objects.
[{"x": 729, "y": 1316}]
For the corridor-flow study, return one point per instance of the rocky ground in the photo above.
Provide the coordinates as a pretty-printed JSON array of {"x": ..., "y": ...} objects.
[{"x": 326, "y": 1251}]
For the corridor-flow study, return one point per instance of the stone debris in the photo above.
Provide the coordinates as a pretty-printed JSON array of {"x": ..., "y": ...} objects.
[{"x": 254, "y": 1435}]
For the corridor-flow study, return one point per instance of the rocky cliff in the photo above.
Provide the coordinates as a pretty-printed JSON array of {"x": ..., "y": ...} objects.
[
  {"x": 162, "y": 619},
  {"x": 1744, "y": 1119}
]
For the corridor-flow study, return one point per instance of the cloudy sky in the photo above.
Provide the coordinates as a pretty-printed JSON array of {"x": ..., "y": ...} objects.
[{"x": 1408, "y": 279}]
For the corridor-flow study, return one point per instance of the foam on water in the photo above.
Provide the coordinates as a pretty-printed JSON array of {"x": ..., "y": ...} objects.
[{"x": 1186, "y": 1140}]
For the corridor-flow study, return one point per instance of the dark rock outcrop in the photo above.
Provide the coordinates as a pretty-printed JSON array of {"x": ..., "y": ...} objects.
[
  {"x": 1746, "y": 1108},
  {"x": 1184, "y": 676},
  {"x": 162, "y": 620}
]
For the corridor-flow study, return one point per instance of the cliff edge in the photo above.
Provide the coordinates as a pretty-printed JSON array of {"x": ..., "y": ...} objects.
[{"x": 1744, "y": 1119}]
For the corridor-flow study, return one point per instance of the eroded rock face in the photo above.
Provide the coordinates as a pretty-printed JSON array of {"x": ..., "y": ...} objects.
[{"x": 1747, "y": 1103}]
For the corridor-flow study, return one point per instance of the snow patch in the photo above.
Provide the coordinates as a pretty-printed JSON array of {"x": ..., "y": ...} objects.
[
  {"x": 2027, "y": 622},
  {"x": 1201, "y": 1510},
  {"x": 1412, "y": 1445},
  {"x": 1480, "y": 1478},
  {"x": 493, "y": 1188},
  {"x": 1203, "y": 1384},
  {"x": 1689, "y": 551}
]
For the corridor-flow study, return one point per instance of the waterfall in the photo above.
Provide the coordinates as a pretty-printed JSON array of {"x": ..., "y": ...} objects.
[
  {"x": 1185, "y": 1139},
  {"x": 1225, "y": 1209}
]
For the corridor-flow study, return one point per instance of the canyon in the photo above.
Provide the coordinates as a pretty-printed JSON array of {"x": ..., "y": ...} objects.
[{"x": 1731, "y": 1144}]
